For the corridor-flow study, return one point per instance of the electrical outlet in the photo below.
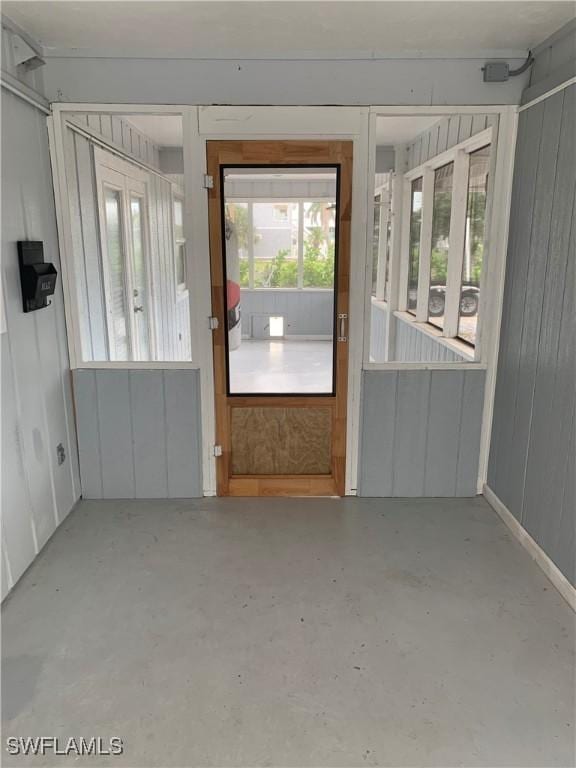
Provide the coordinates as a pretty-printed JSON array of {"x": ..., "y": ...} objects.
[{"x": 60, "y": 453}]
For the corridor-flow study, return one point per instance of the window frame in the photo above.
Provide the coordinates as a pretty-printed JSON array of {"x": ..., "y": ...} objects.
[
  {"x": 384, "y": 193},
  {"x": 250, "y": 201},
  {"x": 460, "y": 156}
]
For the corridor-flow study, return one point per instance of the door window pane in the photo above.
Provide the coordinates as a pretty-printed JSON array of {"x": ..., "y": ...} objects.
[
  {"x": 319, "y": 243},
  {"x": 118, "y": 320},
  {"x": 281, "y": 334},
  {"x": 414, "y": 256},
  {"x": 441, "y": 210},
  {"x": 474, "y": 244},
  {"x": 139, "y": 287}
]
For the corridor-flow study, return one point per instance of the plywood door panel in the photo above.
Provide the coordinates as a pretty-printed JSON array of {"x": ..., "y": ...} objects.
[
  {"x": 332, "y": 477},
  {"x": 275, "y": 441}
]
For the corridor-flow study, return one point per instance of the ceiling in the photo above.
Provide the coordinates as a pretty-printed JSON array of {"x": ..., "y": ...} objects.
[
  {"x": 164, "y": 130},
  {"x": 398, "y": 130},
  {"x": 272, "y": 29}
]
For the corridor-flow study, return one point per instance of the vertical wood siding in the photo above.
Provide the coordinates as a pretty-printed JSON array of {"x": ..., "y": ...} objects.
[
  {"x": 378, "y": 331},
  {"x": 37, "y": 414},
  {"x": 420, "y": 433},
  {"x": 444, "y": 135},
  {"x": 414, "y": 346},
  {"x": 119, "y": 133},
  {"x": 554, "y": 62},
  {"x": 139, "y": 433},
  {"x": 532, "y": 461}
]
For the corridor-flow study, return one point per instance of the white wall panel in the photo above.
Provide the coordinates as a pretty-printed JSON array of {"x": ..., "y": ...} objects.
[{"x": 37, "y": 414}]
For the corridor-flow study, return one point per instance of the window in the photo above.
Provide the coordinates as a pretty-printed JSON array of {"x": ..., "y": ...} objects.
[
  {"x": 453, "y": 209},
  {"x": 473, "y": 244},
  {"x": 414, "y": 246},
  {"x": 280, "y": 212},
  {"x": 318, "y": 244},
  {"x": 127, "y": 243},
  {"x": 381, "y": 242},
  {"x": 238, "y": 224},
  {"x": 275, "y": 245},
  {"x": 441, "y": 211},
  {"x": 281, "y": 245},
  {"x": 179, "y": 244},
  {"x": 376, "y": 243}
]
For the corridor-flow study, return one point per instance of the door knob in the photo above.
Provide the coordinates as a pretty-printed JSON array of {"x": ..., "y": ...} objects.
[{"x": 139, "y": 309}]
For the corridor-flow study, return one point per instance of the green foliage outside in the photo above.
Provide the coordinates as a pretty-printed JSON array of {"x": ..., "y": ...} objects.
[{"x": 281, "y": 271}]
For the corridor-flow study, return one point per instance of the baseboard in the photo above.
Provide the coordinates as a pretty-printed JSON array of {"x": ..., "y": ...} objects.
[{"x": 537, "y": 554}]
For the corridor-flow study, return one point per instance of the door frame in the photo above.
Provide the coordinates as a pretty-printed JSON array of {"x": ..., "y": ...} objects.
[{"x": 280, "y": 153}]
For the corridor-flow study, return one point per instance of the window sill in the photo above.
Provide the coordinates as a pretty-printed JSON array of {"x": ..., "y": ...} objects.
[
  {"x": 455, "y": 345},
  {"x": 380, "y": 303}
]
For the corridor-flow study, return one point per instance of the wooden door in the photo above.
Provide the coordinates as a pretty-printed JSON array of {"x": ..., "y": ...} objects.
[{"x": 286, "y": 436}]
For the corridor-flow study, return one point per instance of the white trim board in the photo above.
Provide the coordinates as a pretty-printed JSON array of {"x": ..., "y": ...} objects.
[{"x": 537, "y": 554}]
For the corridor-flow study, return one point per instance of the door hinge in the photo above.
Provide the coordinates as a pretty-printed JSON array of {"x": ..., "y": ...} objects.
[
  {"x": 217, "y": 450},
  {"x": 213, "y": 323},
  {"x": 208, "y": 181}
]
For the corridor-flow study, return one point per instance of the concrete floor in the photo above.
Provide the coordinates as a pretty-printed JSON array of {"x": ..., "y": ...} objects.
[
  {"x": 284, "y": 366},
  {"x": 315, "y": 632}
]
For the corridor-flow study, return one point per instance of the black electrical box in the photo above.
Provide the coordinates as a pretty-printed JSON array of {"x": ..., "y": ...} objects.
[{"x": 37, "y": 278}]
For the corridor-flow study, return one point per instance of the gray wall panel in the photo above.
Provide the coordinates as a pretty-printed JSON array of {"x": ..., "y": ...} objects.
[
  {"x": 412, "y": 408},
  {"x": 532, "y": 434},
  {"x": 443, "y": 432},
  {"x": 116, "y": 439},
  {"x": 149, "y": 428},
  {"x": 420, "y": 432},
  {"x": 89, "y": 450},
  {"x": 471, "y": 411},
  {"x": 515, "y": 295},
  {"x": 378, "y": 433},
  {"x": 139, "y": 433},
  {"x": 183, "y": 433},
  {"x": 536, "y": 275}
]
